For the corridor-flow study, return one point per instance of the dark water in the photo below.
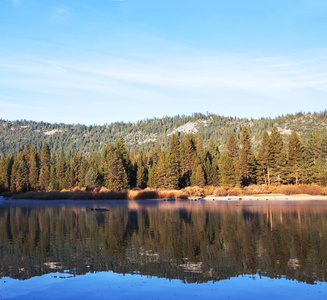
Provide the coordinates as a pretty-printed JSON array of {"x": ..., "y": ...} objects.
[{"x": 163, "y": 250}]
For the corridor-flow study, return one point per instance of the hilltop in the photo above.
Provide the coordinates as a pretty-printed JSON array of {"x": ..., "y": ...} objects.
[{"x": 145, "y": 133}]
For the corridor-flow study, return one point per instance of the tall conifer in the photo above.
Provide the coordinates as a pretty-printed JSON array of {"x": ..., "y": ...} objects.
[
  {"x": 278, "y": 158},
  {"x": 247, "y": 160},
  {"x": 295, "y": 155}
]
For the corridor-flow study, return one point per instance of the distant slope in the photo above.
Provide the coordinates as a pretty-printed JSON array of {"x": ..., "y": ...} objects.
[{"x": 142, "y": 134}]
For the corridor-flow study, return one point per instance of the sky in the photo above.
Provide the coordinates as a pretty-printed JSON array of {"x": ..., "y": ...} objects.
[{"x": 104, "y": 61}]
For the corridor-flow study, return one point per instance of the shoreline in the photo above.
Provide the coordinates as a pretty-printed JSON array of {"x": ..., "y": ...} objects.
[
  {"x": 261, "y": 198},
  {"x": 195, "y": 198}
]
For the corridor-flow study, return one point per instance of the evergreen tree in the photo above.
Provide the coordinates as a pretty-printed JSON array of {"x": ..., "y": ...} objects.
[
  {"x": 161, "y": 171},
  {"x": 22, "y": 176},
  {"x": 227, "y": 170},
  {"x": 84, "y": 167},
  {"x": 188, "y": 154},
  {"x": 171, "y": 172},
  {"x": 232, "y": 147},
  {"x": 116, "y": 178},
  {"x": 141, "y": 173},
  {"x": 61, "y": 171},
  {"x": 123, "y": 155},
  {"x": 212, "y": 151},
  {"x": 247, "y": 160},
  {"x": 174, "y": 149},
  {"x": 199, "y": 146},
  {"x": 3, "y": 174},
  {"x": 314, "y": 155},
  {"x": 45, "y": 159},
  {"x": 75, "y": 169},
  {"x": 278, "y": 158},
  {"x": 264, "y": 160},
  {"x": 199, "y": 175},
  {"x": 295, "y": 156},
  {"x": 91, "y": 179},
  {"x": 34, "y": 170}
]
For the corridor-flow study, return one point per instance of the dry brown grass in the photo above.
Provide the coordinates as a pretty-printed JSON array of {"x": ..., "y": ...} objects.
[
  {"x": 255, "y": 190},
  {"x": 307, "y": 189},
  {"x": 102, "y": 193},
  {"x": 220, "y": 192}
]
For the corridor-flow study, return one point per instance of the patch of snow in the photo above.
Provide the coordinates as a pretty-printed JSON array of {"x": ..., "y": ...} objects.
[
  {"x": 26, "y": 126},
  {"x": 53, "y": 131}
]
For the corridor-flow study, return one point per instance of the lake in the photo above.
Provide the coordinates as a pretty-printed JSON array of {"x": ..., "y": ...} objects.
[{"x": 155, "y": 249}]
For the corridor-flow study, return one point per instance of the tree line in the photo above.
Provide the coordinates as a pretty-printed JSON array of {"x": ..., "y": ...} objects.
[
  {"x": 185, "y": 162},
  {"x": 14, "y": 135}
]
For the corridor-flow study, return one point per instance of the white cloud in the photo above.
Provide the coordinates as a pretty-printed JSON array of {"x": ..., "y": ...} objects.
[
  {"x": 183, "y": 84},
  {"x": 60, "y": 12},
  {"x": 15, "y": 2}
]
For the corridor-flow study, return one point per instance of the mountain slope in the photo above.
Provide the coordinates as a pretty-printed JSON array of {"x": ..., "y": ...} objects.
[{"x": 142, "y": 134}]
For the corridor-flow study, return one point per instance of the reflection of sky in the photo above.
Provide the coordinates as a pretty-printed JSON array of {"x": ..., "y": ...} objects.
[{"x": 109, "y": 285}]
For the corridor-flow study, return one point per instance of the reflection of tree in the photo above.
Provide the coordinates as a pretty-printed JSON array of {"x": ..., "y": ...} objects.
[{"x": 198, "y": 242}]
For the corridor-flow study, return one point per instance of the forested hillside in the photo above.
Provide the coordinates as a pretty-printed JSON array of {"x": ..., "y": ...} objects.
[
  {"x": 186, "y": 162},
  {"x": 143, "y": 134}
]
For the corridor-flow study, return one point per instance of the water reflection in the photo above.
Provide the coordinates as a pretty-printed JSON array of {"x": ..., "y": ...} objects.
[{"x": 190, "y": 241}]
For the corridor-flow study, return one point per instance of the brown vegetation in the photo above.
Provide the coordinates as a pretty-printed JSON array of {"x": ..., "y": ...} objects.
[{"x": 102, "y": 193}]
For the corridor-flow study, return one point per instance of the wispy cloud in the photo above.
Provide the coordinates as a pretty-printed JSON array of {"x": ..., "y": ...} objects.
[
  {"x": 210, "y": 82},
  {"x": 15, "y": 2},
  {"x": 60, "y": 12}
]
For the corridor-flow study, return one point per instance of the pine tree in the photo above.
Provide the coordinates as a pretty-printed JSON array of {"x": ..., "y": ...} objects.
[
  {"x": 123, "y": 155},
  {"x": 264, "y": 160},
  {"x": 174, "y": 149},
  {"x": 188, "y": 155},
  {"x": 199, "y": 176},
  {"x": 3, "y": 174},
  {"x": 116, "y": 178},
  {"x": 53, "y": 173},
  {"x": 61, "y": 171},
  {"x": 22, "y": 176},
  {"x": 295, "y": 155},
  {"x": 45, "y": 159},
  {"x": 232, "y": 147},
  {"x": 314, "y": 155},
  {"x": 246, "y": 159},
  {"x": 171, "y": 172},
  {"x": 141, "y": 172},
  {"x": 199, "y": 146},
  {"x": 34, "y": 170},
  {"x": 152, "y": 179},
  {"x": 278, "y": 158},
  {"x": 84, "y": 167},
  {"x": 227, "y": 170},
  {"x": 161, "y": 171},
  {"x": 91, "y": 179},
  {"x": 75, "y": 168},
  {"x": 212, "y": 151}
]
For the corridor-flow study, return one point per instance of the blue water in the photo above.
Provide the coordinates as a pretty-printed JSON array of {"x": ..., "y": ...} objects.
[
  {"x": 109, "y": 285},
  {"x": 180, "y": 250}
]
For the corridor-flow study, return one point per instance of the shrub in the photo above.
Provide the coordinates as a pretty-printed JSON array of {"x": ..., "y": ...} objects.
[{"x": 220, "y": 192}]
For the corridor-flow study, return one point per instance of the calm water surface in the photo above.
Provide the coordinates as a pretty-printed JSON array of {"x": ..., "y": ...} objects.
[{"x": 163, "y": 250}]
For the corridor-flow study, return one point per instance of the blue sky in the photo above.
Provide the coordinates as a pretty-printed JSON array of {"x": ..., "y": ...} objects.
[{"x": 96, "y": 62}]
